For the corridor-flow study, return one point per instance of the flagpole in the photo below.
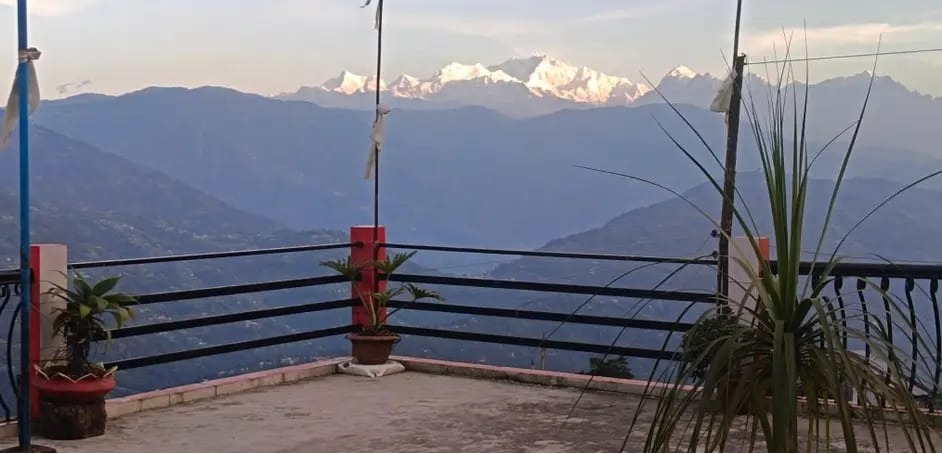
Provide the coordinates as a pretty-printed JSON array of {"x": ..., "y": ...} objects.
[
  {"x": 24, "y": 404},
  {"x": 379, "y": 68}
]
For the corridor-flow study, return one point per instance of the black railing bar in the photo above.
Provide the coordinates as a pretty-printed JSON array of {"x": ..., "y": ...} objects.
[
  {"x": 8, "y": 276},
  {"x": 533, "y": 342},
  {"x": 569, "y": 255},
  {"x": 209, "y": 255},
  {"x": 238, "y": 289},
  {"x": 142, "y": 361},
  {"x": 664, "y": 295},
  {"x": 541, "y": 315},
  {"x": 891, "y": 270},
  {"x": 226, "y": 318}
]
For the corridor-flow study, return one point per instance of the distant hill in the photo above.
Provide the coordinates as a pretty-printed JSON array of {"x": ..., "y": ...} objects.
[
  {"x": 460, "y": 176},
  {"x": 70, "y": 175},
  {"x": 905, "y": 230},
  {"x": 104, "y": 207}
]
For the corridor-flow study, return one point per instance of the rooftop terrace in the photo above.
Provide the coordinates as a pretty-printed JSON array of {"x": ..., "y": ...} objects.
[{"x": 434, "y": 406}]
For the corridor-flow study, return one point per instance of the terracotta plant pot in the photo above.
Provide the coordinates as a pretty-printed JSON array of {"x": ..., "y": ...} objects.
[
  {"x": 71, "y": 410},
  {"x": 372, "y": 350}
]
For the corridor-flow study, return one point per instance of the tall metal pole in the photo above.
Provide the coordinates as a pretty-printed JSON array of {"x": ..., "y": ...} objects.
[
  {"x": 379, "y": 72},
  {"x": 24, "y": 404},
  {"x": 729, "y": 177},
  {"x": 736, "y": 30},
  {"x": 379, "y": 69}
]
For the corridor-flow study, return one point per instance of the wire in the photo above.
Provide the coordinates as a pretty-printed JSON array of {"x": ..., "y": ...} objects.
[{"x": 837, "y": 57}]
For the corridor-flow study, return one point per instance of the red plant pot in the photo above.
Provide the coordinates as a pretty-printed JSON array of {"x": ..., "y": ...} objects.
[
  {"x": 372, "y": 350},
  {"x": 85, "y": 390},
  {"x": 72, "y": 410}
]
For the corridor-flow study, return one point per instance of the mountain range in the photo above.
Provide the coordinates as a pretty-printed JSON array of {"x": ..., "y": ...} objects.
[
  {"x": 541, "y": 85},
  {"x": 466, "y": 175},
  {"x": 518, "y": 87}
]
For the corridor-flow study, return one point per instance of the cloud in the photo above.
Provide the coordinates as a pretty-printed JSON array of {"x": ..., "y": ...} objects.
[
  {"x": 484, "y": 27},
  {"x": 510, "y": 28},
  {"x": 52, "y": 7},
  {"x": 638, "y": 12},
  {"x": 72, "y": 87},
  {"x": 841, "y": 35}
]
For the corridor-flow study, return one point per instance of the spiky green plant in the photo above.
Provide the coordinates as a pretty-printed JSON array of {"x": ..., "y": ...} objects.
[
  {"x": 83, "y": 318},
  {"x": 786, "y": 343},
  {"x": 375, "y": 302}
]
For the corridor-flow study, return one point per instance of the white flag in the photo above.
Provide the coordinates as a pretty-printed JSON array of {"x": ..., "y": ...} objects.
[
  {"x": 724, "y": 96},
  {"x": 379, "y": 14},
  {"x": 11, "y": 114},
  {"x": 379, "y": 127}
]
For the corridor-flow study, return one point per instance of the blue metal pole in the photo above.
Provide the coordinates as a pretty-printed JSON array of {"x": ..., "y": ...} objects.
[{"x": 24, "y": 407}]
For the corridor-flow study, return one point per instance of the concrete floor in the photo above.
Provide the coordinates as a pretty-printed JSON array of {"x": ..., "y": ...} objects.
[{"x": 409, "y": 412}]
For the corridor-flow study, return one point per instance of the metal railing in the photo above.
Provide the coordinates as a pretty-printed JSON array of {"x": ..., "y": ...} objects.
[
  {"x": 213, "y": 320},
  {"x": 9, "y": 307},
  {"x": 437, "y": 332},
  {"x": 228, "y": 290},
  {"x": 9, "y": 287},
  {"x": 862, "y": 275},
  {"x": 555, "y": 288},
  {"x": 875, "y": 291}
]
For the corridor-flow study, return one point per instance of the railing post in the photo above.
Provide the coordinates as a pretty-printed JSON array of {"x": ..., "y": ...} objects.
[
  {"x": 741, "y": 289},
  {"x": 364, "y": 250},
  {"x": 49, "y": 264}
]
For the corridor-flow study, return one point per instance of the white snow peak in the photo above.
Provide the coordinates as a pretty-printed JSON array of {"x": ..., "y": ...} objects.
[
  {"x": 349, "y": 83},
  {"x": 682, "y": 72},
  {"x": 538, "y": 75},
  {"x": 405, "y": 86},
  {"x": 545, "y": 75},
  {"x": 461, "y": 72}
]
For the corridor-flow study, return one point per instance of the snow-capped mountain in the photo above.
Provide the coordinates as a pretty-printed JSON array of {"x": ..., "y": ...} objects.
[
  {"x": 682, "y": 72},
  {"x": 518, "y": 87},
  {"x": 349, "y": 83},
  {"x": 683, "y": 85},
  {"x": 548, "y": 76},
  {"x": 405, "y": 86}
]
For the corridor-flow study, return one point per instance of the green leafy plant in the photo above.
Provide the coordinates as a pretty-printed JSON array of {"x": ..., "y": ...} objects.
[
  {"x": 84, "y": 319},
  {"x": 784, "y": 340},
  {"x": 701, "y": 342},
  {"x": 375, "y": 302},
  {"x": 616, "y": 367}
]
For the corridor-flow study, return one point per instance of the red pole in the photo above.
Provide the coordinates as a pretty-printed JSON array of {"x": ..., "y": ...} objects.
[{"x": 362, "y": 251}]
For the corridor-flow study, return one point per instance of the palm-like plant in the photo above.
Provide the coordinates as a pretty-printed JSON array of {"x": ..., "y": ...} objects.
[
  {"x": 785, "y": 342},
  {"x": 83, "y": 319},
  {"x": 375, "y": 302}
]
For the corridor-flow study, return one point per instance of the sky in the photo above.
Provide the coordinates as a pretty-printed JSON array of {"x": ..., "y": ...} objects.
[{"x": 275, "y": 46}]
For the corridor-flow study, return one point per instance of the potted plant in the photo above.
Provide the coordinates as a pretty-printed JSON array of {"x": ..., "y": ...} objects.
[
  {"x": 796, "y": 342},
  {"x": 702, "y": 344},
  {"x": 71, "y": 388},
  {"x": 373, "y": 343}
]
